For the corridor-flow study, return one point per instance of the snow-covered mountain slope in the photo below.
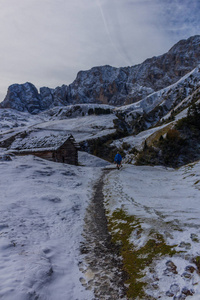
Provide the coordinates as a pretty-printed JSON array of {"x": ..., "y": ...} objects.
[
  {"x": 153, "y": 108},
  {"x": 11, "y": 119},
  {"x": 82, "y": 128},
  {"x": 157, "y": 207},
  {"x": 79, "y": 110},
  {"x": 84, "y": 122},
  {"x": 109, "y": 85}
]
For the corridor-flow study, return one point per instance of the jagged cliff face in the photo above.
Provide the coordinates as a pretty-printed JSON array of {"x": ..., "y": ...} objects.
[
  {"x": 22, "y": 97},
  {"x": 121, "y": 86},
  {"x": 25, "y": 97},
  {"x": 109, "y": 85}
]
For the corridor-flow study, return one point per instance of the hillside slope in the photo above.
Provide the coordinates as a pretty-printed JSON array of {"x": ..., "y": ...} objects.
[{"x": 153, "y": 108}]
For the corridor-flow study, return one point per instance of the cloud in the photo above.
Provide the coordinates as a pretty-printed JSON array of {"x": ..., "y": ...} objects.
[
  {"x": 47, "y": 42},
  {"x": 132, "y": 27},
  {"x": 144, "y": 28}
]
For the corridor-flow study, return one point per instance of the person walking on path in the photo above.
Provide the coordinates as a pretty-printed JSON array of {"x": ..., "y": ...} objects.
[{"x": 118, "y": 160}]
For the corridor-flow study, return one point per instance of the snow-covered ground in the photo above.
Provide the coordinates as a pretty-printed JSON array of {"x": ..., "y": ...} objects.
[
  {"x": 11, "y": 120},
  {"x": 165, "y": 201},
  {"x": 42, "y": 208},
  {"x": 82, "y": 128},
  {"x": 89, "y": 160},
  {"x": 136, "y": 141},
  {"x": 43, "y": 205}
]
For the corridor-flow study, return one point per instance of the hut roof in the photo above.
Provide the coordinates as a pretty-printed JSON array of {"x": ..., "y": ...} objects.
[{"x": 41, "y": 141}]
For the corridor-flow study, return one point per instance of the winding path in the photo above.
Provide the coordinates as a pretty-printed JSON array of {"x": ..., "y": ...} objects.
[{"x": 102, "y": 266}]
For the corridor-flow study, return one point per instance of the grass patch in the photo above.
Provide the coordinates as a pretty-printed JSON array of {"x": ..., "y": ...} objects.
[
  {"x": 196, "y": 260},
  {"x": 121, "y": 226}
]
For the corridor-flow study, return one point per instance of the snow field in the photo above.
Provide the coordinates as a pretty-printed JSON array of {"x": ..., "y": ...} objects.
[
  {"x": 82, "y": 128},
  {"x": 164, "y": 201},
  {"x": 42, "y": 207}
]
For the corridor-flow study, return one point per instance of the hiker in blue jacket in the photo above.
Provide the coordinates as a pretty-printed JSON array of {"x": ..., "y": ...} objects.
[{"x": 118, "y": 160}]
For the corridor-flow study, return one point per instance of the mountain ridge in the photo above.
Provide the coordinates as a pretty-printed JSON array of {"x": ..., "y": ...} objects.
[{"x": 110, "y": 85}]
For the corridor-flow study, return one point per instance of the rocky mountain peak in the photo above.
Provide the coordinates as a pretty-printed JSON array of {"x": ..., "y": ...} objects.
[
  {"x": 191, "y": 44},
  {"x": 22, "y": 95}
]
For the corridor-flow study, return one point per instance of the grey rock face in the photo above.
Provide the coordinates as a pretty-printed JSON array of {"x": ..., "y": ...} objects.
[
  {"x": 174, "y": 98},
  {"x": 22, "y": 97},
  {"x": 54, "y": 97},
  {"x": 121, "y": 86},
  {"x": 109, "y": 85},
  {"x": 25, "y": 97}
]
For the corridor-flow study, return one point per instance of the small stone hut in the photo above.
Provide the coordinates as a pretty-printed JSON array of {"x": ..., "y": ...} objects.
[{"x": 54, "y": 148}]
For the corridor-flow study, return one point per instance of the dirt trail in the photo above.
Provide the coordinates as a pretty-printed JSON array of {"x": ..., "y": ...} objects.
[{"x": 102, "y": 266}]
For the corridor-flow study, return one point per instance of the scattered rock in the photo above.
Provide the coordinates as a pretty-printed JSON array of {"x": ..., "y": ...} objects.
[
  {"x": 173, "y": 291},
  {"x": 84, "y": 249},
  {"x": 187, "y": 292},
  {"x": 194, "y": 237},
  {"x": 171, "y": 268},
  {"x": 190, "y": 269},
  {"x": 186, "y": 275},
  {"x": 51, "y": 199},
  {"x": 50, "y": 272},
  {"x": 155, "y": 285},
  {"x": 180, "y": 297},
  {"x": 82, "y": 280},
  {"x": 187, "y": 246}
]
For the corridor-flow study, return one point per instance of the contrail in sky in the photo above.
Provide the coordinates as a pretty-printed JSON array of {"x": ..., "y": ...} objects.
[{"x": 108, "y": 33}]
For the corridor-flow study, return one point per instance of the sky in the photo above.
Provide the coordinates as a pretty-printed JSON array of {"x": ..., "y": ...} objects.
[{"x": 47, "y": 42}]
